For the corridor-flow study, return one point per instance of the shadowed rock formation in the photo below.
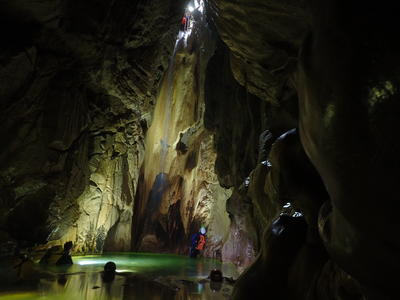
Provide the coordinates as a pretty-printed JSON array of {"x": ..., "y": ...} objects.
[
  {"x": 263, "y": 38},
  {"x": 79, "y": 81},
  {"x": 93, "y": 153},
  {"x": 347, "y": 88},
  {"x": 179, "y": 150}
]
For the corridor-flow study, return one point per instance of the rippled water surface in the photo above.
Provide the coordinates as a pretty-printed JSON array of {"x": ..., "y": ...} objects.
[{"x": 140, "y": 276}]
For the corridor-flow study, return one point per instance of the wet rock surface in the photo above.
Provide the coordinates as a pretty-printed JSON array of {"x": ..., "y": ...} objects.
[
  {"x": 78, "y": 83},
  {"x": 346, "y": 84},
  {"x": 315, "y": 207},
  {"x": 355, "y": 156},
  {"x": 263, "y": 53},
  {"x": 179, "y": 192}
]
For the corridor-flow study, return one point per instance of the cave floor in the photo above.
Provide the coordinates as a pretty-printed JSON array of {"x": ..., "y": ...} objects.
[{"x": 139, "y": 276}]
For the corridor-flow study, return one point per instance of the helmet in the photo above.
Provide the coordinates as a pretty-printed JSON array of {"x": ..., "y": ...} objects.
[{"x": 110, "y": 267}]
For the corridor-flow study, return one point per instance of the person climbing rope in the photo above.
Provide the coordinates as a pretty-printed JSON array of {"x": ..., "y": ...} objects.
[
  {"x": 183, "y": 24},
  {"x": 198, "y": 241}
]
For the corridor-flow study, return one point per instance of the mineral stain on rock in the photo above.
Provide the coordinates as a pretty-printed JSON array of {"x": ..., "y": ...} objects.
[{"x": 122, "y": 132}]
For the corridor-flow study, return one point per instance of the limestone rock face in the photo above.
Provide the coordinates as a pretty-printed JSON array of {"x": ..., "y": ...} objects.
[
  {"x": 178, "y": 189},
  {"x": 241, "y": 246},
  {"x": 347, "y": 90},
  {"x": 78, "y": 82},
  {"x": 238, "y": 117},
  {"x": 85, "y": 158},
  {"x": 235, "y": 118},
  {"x": 291, "y": 253},
  {"x": 348, "y": 86},
  {"x": 263, "y": 37}
]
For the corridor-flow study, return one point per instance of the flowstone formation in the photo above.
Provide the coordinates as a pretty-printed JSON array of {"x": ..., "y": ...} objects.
[
  {"x": 178, "y": 190},
  {"x": 275, "y": 126},
  {"x": 79, "y": 80}
]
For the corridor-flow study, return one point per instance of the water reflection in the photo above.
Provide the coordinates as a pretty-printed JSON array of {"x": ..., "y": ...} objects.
[
  {"x": 82, "y": 286},
  {"x": 140, "y": 276}
]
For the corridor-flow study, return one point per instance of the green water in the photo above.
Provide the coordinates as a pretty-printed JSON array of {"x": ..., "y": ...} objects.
[{"x": 139, "y": 276}]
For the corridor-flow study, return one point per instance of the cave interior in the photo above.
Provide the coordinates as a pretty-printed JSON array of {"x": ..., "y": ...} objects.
[{"x": 129, "y": 126}]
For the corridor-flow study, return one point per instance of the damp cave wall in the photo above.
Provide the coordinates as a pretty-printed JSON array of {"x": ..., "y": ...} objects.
[
  {"x": 333, "y": 67},
  {"x": 78, "y": 85},
  {"x": 179, "y": 191}
]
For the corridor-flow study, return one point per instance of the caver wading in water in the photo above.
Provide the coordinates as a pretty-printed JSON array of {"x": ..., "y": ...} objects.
[{"x": 198, "y": 241}]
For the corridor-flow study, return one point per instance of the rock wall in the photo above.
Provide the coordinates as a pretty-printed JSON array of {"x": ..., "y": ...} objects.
[
  {"x": 79, "y": 80},
  {"x": 316, "y": 192},
  {"x": 179, "y": 190},
  {"x": 349, "y": 131},
  {"x": 238, "y": 118},
  {"x": 79, "y": 85},
  {"x": 264, "y": 51},
  {"x": 228, "y": 105}
]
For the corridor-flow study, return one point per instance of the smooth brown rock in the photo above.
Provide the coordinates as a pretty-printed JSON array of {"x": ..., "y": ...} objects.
[
  {"x": 178, "y": 191},
  {"x": 348, "y": 106},
  {"x": 263, "y": 38}
]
